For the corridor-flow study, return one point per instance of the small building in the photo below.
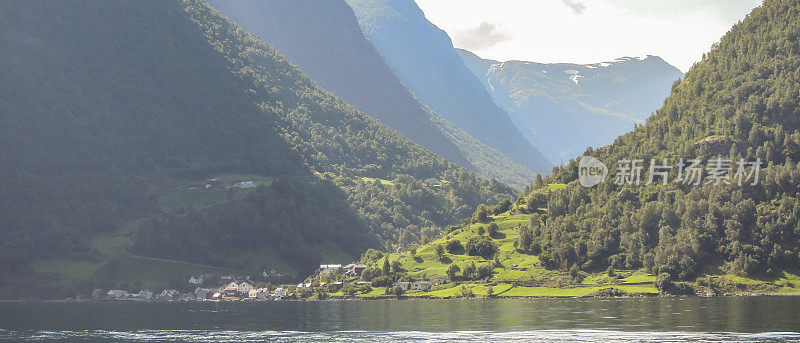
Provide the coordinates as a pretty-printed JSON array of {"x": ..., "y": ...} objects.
[
  {"x": 304, "y": 285},
  {"x": 201, "y": 294},
  {"x": 252, "y": 294},
  {"x": 143, "y": 295},
  {"x": 244, "y": 288},
  {"x": 421, "y": 286},
  {"x": 403, "y": 285},
  {"x": 262, "y": 293},
  {"x": 279, "y": 292},
  {"x": 116, "y": 294},
  {"x": 328, "y": 268},
  {"x": 215, "y": 185},
  {"x": 168, "y": 294},
  {"x": 196, "y": 280},
  {"x": 354, "y": 269},
  {"x": 231, "y": 289},
  {"x": 247, "y": 184},
  {"x": 225, "y": 279}
]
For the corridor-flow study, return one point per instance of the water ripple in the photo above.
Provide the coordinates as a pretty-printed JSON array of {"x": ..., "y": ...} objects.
[{"x": 203, "y": 336}]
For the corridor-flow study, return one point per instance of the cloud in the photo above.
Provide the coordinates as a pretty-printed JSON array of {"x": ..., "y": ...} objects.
[
  {"x": 576, "y": 6},
  {"x": 482, "y": 37}
]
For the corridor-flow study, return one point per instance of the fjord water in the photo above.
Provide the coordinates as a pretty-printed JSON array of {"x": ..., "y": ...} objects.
[{"x": 588, "y": 319}]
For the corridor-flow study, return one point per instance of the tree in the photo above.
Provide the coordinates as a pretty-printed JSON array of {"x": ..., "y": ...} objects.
[
  {"x": 490, "y": 292},
  {"x": 469, "y": 271},
  {"x": 439, "y": 249},
  {"x": 398, "y": 291},
  {"x": 396, "y": 267},
  {"x": 452, "y": 272},
  {"x": 481, "y": 230},
  {"x": 386, "y": 270},
  {"x": 480, "y": 247},
  {"x": 484, "y": 271},
  {"x": 454, "y": 246},
  {"x": 493, "y": 229}
]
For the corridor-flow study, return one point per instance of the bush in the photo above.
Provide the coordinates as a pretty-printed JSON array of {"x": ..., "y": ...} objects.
[
  {"x": 484, "y": 271},
  {"x": 452, "y": 271},
  {"x": 454, "y": 246},
  {"x": 493, "y": 229},
  {"x": 382, "y": 281},
  {"x": 480, "y": 247}
]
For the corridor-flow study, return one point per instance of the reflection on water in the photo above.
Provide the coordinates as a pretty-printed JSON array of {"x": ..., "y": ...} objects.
[
  {"x": 403, "y": 336},
  {"x": 638, "y": 319}
]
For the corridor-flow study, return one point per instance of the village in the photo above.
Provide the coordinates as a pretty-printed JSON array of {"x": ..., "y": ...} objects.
[{"x": 328, "y": 278}]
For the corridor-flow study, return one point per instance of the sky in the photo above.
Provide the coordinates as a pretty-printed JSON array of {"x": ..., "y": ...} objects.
[{"x": 587, "y": 31}]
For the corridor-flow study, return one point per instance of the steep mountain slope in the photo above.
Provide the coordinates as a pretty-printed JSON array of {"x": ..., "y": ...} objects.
[
  {"x": 742, "y": 103},
  {"x": 323, "y": 38},
  {"x": 105, "y": 122},
  {"x": 424, "y": 59},
  {"x": 591, "y": 104}
]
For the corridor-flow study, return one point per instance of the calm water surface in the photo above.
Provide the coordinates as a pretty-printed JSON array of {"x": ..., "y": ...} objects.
[{"x": 745, "y": 319}]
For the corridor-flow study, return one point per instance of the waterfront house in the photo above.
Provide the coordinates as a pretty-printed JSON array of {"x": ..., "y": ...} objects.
[
  {"x": 244, "y": 288},
  {"x": 116, "y": 294},
  {"x": 143, "y": 295},
  {"x": 262, "y": 293},
  {"x": 202, "y": 293},
  {"x": 421, "y": 286},
  {"x": 231, "y": 289},
  {"x": 252, "y": 294},
  {"x": 403, "y": 285},
  {"x": 247, "y": 184},
  {"x": 279, "y": 293}
]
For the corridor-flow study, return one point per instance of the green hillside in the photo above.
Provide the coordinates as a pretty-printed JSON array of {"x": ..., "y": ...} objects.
[
  {"x": 742, "y": 101},
  {"x": 113, "y": 125}
]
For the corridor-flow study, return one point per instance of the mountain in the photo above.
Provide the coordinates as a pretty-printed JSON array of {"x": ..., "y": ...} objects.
[
  {"x": 323, "y": 39},
  {"x": 722, "y": 215},
  {"x": 423, "y": 58},
  {"x": 115, "y": 114},
  {"x": 591, "y": 104},
  {"x": 740, "y": 103}
]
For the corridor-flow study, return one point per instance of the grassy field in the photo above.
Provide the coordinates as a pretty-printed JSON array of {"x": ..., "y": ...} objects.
[
  {"x": 522, "y": 275},
  {"x": 383, "y": 182}
]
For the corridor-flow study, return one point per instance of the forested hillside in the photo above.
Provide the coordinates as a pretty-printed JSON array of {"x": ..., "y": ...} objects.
[
  {"x": 592, "y": 104},
  {"x": 740, "y": 103},
  {"x": 425, "y": 61},
  {"x": 109, "y": 108},
  {"x": 323, "y": 38}
]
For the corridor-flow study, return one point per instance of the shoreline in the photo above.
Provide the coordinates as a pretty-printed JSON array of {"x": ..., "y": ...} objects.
[{"x": 393, "y": 298}]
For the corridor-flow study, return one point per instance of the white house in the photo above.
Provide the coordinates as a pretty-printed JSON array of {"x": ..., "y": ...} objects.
[
  {"x": 117, "y": 294},
  {"x": 421, "y": 285},
  {"x": 231, "y": 288},
  {"x": 196, "y": 280},
  {"x": 403, "y": 285},
  {"x": 244, "y": 287},
  {"x": 252, "y": 294},
  {"x": 247, "y": 184},
  {"x": 262, "y": 293},
  {"x": 279, "y": 292}
]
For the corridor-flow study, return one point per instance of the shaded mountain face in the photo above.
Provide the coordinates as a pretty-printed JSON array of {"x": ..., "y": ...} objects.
[
  {"x": 564, "y": 108},
  {"x": 424, "y": 59},
  {"x": 114, "y": 112},
  {"x": 323, "y": 38},
  {"x": 739, "y": 104}
]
